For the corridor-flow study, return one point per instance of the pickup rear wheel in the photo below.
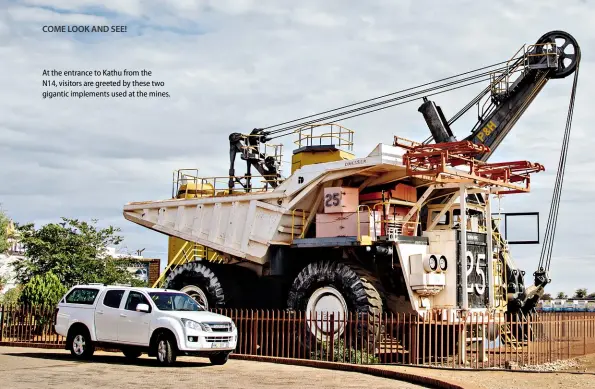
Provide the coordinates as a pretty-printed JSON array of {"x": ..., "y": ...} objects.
[
  {"x": 80, "y": 344},
  {"x": 166, "y": 351}
]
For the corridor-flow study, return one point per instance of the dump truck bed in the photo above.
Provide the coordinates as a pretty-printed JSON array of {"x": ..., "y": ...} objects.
[{"x": 245, "y": 225}]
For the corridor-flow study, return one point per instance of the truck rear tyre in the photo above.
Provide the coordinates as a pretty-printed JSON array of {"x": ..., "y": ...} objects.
[
  {"x": 327, "y": 287},
  {"x": 80, "y": 344},
  {"x": 219, "y": 359},
  {"x": 166, "y": 351},
  {"x": 198, "y": 281}
]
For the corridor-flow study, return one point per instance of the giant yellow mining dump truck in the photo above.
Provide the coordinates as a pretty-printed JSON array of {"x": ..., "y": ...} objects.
[{"x": 405, "y": 227}]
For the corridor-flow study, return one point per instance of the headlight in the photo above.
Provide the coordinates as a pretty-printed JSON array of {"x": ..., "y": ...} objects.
[
  {"x": 192, "y": 324},
  {"x": 233, "y": 326}
]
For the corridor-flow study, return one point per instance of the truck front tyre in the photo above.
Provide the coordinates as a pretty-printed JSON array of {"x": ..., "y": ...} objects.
[
  {"x": 219, "y": 359},
  {"x": 80, "y": 344},
  {"x": 165, "y": 350},
  {"x": 199, "y": 282},
  {"x": 328, "y": 287}
]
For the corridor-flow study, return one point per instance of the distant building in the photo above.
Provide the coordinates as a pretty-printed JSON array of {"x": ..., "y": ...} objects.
[
  {"x": 15, "y": 253},
  {"x": 567, "y": 305},
  {"x": 111, "y": 251}
]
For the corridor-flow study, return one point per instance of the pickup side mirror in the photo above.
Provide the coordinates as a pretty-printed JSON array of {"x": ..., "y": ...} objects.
[{"x": 142, "y": 308}]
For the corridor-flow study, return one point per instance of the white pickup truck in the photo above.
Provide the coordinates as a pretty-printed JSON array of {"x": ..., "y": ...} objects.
[{"x": 163, "y": 323}]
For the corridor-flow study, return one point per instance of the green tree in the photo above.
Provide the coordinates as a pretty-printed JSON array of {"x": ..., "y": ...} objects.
[
  {"x": 561, "y": 295},
  {"x": 546, "y": 297},
  {"x": 591, "y": 296},
  {"x": 4, "y": 222},
  {"x": 43, "y": 291},
  {"x": 11, "y": 296},
  {"x": 580, "y": 293},
  {"x": 74, "y": 251},
  {"x": 3, "y": 281}
]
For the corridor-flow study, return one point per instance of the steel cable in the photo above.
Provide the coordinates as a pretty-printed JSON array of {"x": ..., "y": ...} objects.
[
  {"x": 548, "y": 244},
  {"x": 344, "y": 113},
  {"x": 399, "y": 103},
  {"x": 383, "y": 96}
]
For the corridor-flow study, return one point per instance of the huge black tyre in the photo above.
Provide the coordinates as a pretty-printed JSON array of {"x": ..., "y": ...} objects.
[
  {"x": 200, "y": 282},
  {"x": 342, "y": 284}
]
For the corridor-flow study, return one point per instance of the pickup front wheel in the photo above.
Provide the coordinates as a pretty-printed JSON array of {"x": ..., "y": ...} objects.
[
  {"x": 166, "y": 351},
  {"x": 219, "y": 359}
]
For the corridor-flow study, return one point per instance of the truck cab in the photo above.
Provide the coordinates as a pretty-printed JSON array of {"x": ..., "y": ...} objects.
[{"x": 161, "y": 322}]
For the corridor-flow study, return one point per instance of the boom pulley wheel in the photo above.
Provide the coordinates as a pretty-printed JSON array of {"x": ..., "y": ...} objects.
[{"x": 567, "y": 49}]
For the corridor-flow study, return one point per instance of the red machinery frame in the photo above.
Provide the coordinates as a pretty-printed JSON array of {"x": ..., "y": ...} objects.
[{"x": 441, "y": 160}]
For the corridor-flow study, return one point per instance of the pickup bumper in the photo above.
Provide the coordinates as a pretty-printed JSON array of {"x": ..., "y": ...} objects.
[{"x": 208, "y": 343}]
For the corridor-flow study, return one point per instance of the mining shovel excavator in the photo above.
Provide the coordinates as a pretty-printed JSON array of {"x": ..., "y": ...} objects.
[{"x": 406, "y": 228}]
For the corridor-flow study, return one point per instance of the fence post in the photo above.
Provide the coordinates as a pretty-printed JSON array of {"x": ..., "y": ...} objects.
[
  {"x": 255, "y": 334},
  {"x": 1, "y": 321},
  {"x": 332, "y": 332}
]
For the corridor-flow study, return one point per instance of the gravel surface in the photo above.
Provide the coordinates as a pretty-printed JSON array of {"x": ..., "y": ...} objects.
[
  {"x": 510, "y": 379},
  {"x": 22, "y": 368},
  {"x": 553, "y": 366}
]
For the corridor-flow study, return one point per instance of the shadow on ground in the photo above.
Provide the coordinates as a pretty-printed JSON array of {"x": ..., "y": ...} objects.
[{"x": 108, "y": 359}]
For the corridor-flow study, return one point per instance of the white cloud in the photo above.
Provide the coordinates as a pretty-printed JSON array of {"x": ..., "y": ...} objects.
[
  {"x": 40, "y": 15},
  {"x": 130, "y": 7},
  {"x": 235, "y": 65}
]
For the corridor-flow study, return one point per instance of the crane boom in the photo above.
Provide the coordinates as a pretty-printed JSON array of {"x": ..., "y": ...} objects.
[
  {"x": 511, "y": 91},
  {"x": 554, "y": 55}
]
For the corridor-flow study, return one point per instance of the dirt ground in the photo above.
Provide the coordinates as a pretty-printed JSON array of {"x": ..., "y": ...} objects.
[
  {"x": 586, "y": 364},
  {"x": 517, "y": 380},
  {"x": 37, "y": 368},
  {"x": 22, "y": 368}
]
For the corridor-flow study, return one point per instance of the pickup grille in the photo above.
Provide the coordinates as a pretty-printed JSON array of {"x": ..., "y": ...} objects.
[
  {"x": 220, "y": 327},
  {"x": 212, "y": 339}
]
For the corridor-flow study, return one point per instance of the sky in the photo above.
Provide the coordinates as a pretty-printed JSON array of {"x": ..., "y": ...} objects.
[{"x": 230, "y": 66}]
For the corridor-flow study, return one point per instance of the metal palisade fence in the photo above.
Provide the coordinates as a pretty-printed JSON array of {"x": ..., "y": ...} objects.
[{"x": 467, "y": 341}]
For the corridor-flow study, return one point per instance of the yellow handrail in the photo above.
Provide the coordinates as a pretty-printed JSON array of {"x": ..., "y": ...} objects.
[
  {"x": 175, "y": 262},
  {"x": 217, "y": 185},
  {"x": 293, "y": 223},
  {"x": 343, "y": 135}
]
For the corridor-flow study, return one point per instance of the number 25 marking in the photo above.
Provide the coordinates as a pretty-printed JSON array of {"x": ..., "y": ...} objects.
[
  {"x": 332, "y": 200},
  {"x": 480, "y": 287}
]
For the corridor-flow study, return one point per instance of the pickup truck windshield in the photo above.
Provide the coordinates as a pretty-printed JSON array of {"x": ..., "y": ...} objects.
[{"x": 169, "y": 301}]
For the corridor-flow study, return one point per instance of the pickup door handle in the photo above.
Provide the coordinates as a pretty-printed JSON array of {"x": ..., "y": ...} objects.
[
  {"x": 99, "y": 312},
  {"x": 122, "y": 315}
]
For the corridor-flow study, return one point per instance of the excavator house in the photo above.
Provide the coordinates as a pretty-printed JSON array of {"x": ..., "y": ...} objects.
[{"x": 406, "y": 227}]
